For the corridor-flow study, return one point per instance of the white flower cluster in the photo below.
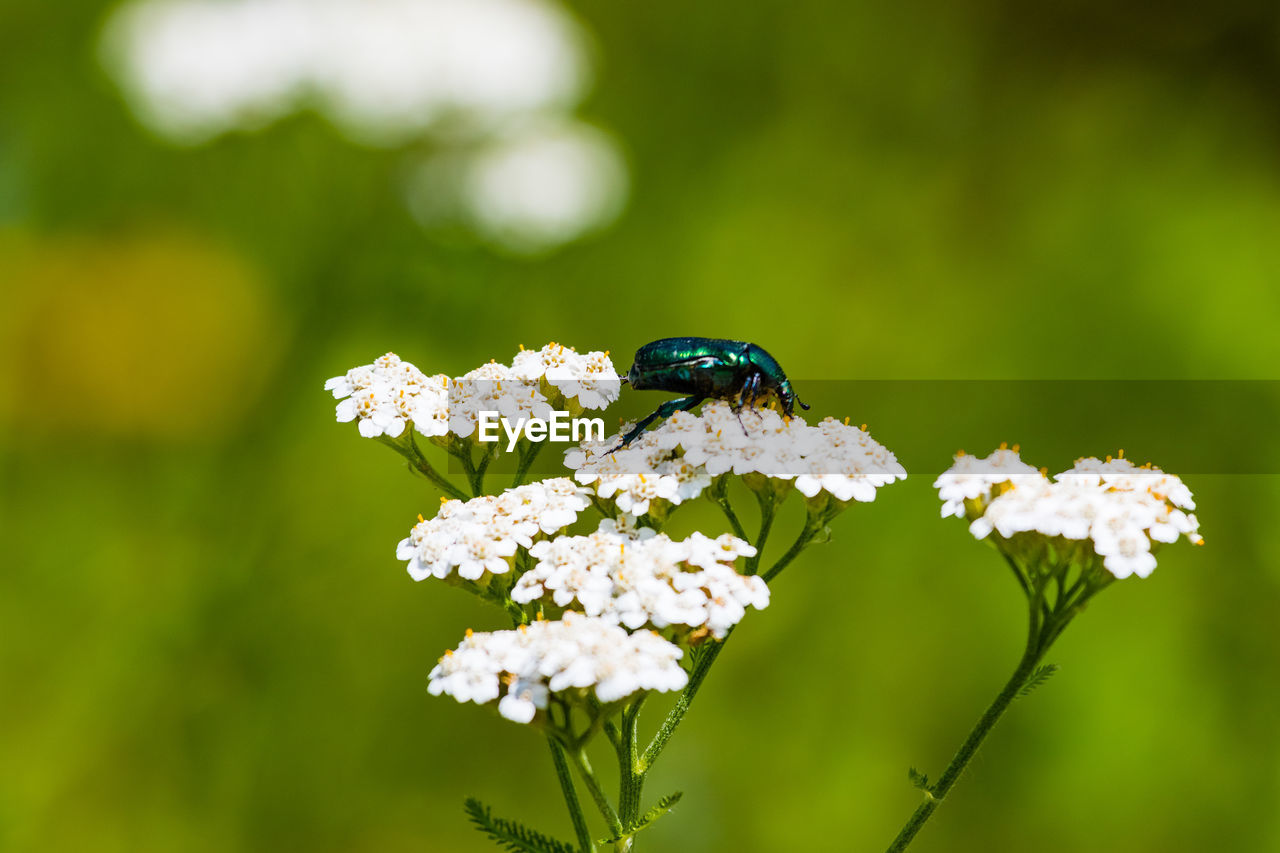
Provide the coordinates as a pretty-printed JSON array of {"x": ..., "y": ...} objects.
[
  {"x": 520, "y": 668},
  {"x": 390, "y": 393},
  {"x": 554, "y": 377},
  {"x": 640, "y": 578},
  {"x": 677, "y": 460},
  {"x": 591, "y": 379},
  {"x": 1120, "y": 508},
  {"x": 639, "y": 475},
  {"x": 974, "y": 479},
  {"x": 479, "y": 536}
]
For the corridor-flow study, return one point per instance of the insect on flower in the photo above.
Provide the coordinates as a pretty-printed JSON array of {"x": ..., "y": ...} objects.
[{"x": 739, "y": 372}]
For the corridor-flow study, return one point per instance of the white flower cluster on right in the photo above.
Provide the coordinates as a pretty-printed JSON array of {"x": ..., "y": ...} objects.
[
  {"x": 640, "y": 578},
  {"x": 480, "y": 536},
  {"x": 1122, "y": 509},
  {"x": 520, "y": 668},
  {"x": 676, "y": 460},
  {"x": 971, "y": 481}
]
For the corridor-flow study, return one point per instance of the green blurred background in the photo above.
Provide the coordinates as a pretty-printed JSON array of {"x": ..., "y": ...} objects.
[{"x": 207, "y": 641}]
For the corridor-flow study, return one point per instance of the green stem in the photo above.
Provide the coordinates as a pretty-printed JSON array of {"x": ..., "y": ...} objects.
[
  {"x": 683, "y": 701},
  {"x": 632, "y": 777},
  {"x": 420, "y": 464},
  {"x": 478, "y": 484},
  {"x": 526, "y": 459},
  {"x": 1017, "y": 573},
  {"x": 809, "y": 531},
  {"x": 766, "y": 524},
  {"x": 579, "y": 820},
  {"x": 722, "y": 501},
  {"x": 579, "y": 758},
  {"x": 703, "y": 661},
  {"x": 934, "y": 795},
  {"x": 461, "y": 450}
]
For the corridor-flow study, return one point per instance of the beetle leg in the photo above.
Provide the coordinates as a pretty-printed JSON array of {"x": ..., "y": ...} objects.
[
  {"x": 750, "y": 393},
  {"x": 666, "y": 410},
  {"x": 755, "y": 388}
]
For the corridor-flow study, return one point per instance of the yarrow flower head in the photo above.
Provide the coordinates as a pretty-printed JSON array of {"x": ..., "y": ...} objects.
[
  {"x": 579, "y": 381},
  {"x": 478, "y": 538},
  {"x": 638, "y": 578},
  {"x": 680, "y": 458},
  {"x": 389, "y": 394},
  {"x": 572, "y": 659},
  {"x": 1117, "y": 512},
  {"x": 968, "y": 486},
  {"x": 641, "y": 479}
]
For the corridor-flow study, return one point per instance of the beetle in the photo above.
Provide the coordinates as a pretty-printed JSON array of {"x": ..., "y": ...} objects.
[{"x": 703, "y": 368}]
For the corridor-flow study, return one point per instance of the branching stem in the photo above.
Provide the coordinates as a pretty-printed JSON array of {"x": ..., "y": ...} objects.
[{"x": 1045, "y": 624}]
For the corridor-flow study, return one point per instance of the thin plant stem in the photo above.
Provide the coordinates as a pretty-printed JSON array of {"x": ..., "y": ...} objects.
[
  {"x": 526, "y": 460},
  {"x": 683, "y": 701},
  {"x": 1040, "y": 635},
  {"x": 632, "y": 778},
  {"x": 580, "y": 760},
  {"x": 766, "y": 524},
  {"x": 707, "y": 657},
  {"x": 461, "y": 451},
  {"x": 809, "y": 531},
  {"x": 722, "y": 501},
  {"x": 419, "y": 463},
  {"x": 1017, "y": 573},
  {"x": 489, "y": 454},
  {"x": 567, "y": 788}
]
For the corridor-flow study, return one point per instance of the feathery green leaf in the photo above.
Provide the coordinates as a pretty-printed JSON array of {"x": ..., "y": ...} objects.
[
  {"x": 510, "y": 835},
  {"x": 1042, "y": 674}
]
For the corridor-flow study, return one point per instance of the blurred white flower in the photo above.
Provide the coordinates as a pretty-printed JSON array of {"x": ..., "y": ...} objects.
[
  {"x": 640, "y": 578},
  {"x": 479, "y": 537},
  {"x": 383, "y": 70},
  {"x": 1118, "y": 508},
  {"x": 544, "y": 185},
  {"x": 390, "y": 393},
  {"x": 522, "y": 668},
  {"x": 494, "y": 81}
]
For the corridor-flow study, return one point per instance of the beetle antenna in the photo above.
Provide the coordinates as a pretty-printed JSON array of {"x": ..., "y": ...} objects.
[{"x": 802, "y": 405}]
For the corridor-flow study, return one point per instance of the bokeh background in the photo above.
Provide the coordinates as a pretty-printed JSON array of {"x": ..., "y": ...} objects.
[{"x": 205, "y": 212}]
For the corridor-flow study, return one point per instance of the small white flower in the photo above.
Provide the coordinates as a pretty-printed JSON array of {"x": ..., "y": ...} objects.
[
  {"x": 480, "y": 536},
  {"x": 637, "y": 578},
  {"x": 975, "y": 479},
  {"x": 386, "y": 396},
  {"x": 588, "y": 379},
  {"x": 638, "y": 475},
  {"x": 522, "y": 668}
]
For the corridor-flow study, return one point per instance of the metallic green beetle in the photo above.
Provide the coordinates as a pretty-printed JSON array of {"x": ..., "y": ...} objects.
[{"x": 737, "y": 371}]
